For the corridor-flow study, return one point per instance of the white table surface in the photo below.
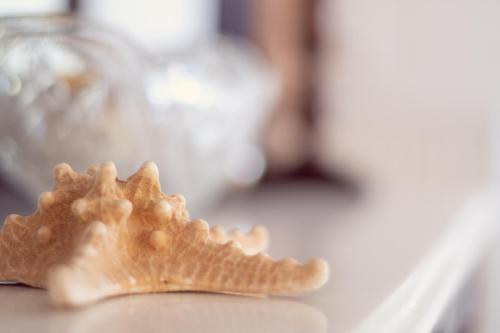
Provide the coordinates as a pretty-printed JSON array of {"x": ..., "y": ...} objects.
[{"x": 390, "y": 252}]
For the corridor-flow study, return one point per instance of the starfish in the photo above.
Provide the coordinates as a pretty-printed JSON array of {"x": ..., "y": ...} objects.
[{"x": 96, "y": 236}]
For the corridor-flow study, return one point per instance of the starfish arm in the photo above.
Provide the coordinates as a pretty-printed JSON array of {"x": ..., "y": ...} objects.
[
  {"x": 202, "y": 264},
  {"x": 93, "y": 272},
  {"x": 29, "y": 245},
  {"x": 13, "y": 246}
]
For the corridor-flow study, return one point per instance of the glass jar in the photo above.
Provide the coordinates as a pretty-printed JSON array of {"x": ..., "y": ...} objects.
[{"x": 77, "y": 92}]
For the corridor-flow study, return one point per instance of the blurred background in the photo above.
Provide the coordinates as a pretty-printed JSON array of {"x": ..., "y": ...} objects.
[
  {"x": 328, "y": 100},
  {"x": 222, "y": 94}
]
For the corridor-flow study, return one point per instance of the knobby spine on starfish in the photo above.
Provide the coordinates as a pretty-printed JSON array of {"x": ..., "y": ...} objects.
[{"x": 96, "y": 236}]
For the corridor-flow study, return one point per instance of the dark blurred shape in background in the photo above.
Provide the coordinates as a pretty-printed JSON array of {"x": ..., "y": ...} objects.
[{"x": 286, "y": 32}]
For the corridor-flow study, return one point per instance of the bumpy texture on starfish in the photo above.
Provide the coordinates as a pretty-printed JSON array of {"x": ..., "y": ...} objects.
[{"x": 97, "y": 236}]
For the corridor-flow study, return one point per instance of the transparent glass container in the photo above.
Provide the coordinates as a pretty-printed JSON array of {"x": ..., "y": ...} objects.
[{"x": 77, "y": 92}]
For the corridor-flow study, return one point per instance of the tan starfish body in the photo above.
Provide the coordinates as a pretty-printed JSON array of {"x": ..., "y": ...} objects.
[{"x": 97, "y": 236}]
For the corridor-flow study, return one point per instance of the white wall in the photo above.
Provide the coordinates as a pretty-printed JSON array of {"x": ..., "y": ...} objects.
[
  {"x": 31, "y": 7},
  {"x": 409, "y": 89}
]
